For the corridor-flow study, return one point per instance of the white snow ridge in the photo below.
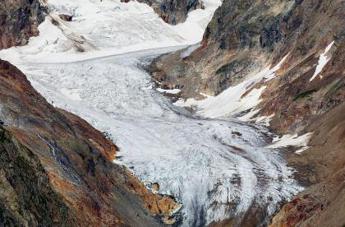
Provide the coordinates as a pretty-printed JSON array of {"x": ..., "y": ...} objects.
[
  {"x": 323, "y": 60},
  {"x": 216, "y": 168}
]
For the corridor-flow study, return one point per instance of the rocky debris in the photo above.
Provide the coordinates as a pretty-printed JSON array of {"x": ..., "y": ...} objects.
[
  {"x": 155, "y": 187},
  {"x": 297, "y": 211},
  {"x": 172, "y": 11},
  {"x": 66, "y": 17},
  {"x": 64, "y": 167},
  {"x": 306, "y": 94},
  {"x": 19, "y": 21}
]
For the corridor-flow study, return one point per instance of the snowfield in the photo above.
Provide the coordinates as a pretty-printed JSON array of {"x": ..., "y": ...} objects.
[{"x": 216, "y": 168}]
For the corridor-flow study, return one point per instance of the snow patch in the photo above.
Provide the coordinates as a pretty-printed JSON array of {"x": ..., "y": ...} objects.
[
  {"x": 264, "y": 120},
  {"x": 236, "y": 99},
  {"x": 194, "y": 27},
  {"x": 323, "y": 60},
  {"x": 171, "y": 91},
  {"x": 293, "y": 141}
]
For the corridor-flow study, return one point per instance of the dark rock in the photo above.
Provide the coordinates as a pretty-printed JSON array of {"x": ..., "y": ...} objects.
[
  {"x": 66, "y": 17},
  {"x": 172, "y": 11},
  {"x": 19, "y": 21}
]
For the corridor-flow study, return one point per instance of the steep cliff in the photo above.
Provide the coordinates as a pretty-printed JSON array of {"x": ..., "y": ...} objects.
[
  {"x": 304, "y": 93},
  {"x": 172, "y": 11},
  {"x": 19, "y": 21},
  {"x": 26, "y": 196}
]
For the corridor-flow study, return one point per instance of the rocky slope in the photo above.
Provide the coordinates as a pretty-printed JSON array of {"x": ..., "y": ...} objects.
[
  {"x": 26, "y": 196},
  {"x": 322, "y": 167},
  {"x": 19, "y": 21},
  {"x": 172, "y": 11},
  {"x": 59, "y": 170},
  {"x": 306, "y": 94}
]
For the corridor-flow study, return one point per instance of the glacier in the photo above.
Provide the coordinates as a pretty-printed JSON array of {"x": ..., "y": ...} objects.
[{"x": 93, "y": 67}]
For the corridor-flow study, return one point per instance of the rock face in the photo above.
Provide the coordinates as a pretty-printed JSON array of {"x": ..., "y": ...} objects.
[
  {"x": 306, "y": 95},
  {"x": 172, "y": 11},
  {"x": 19, "y": 20},
  {"x": 26, "y": 196},
  {"x": 57, "y": 170}
]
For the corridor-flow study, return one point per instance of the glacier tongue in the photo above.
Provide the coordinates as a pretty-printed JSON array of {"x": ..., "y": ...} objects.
[{"x": 217, "y": 169}]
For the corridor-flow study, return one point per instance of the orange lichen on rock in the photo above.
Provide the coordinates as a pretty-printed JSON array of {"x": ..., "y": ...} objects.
[{"x": 157, "y": 204}]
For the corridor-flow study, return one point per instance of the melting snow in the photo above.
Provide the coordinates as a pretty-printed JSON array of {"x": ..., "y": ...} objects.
[
  {"x": 265, "y": 120},
  {"x": 292, "y": 140},
  {"x": 323, "y": 60}
]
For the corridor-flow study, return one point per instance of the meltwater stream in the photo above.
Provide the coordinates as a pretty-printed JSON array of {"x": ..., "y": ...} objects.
[{"x": 215, "y": 168}]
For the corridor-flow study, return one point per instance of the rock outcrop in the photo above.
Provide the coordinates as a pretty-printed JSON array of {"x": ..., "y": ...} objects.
[
  {"x": 19, "y": 21},
  {"x": 172, "y": 11},
  {"x": 306, "y": 95},
  {"x": 57, "y": 170}
]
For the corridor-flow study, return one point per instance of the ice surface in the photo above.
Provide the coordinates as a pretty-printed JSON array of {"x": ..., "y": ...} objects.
[{"x": 216, "y": 168}]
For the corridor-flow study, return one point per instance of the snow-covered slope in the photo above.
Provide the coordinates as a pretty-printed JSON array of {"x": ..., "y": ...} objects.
[
  {"x": 108, "y": 27},
  {"x": 216, "y": 168}
]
